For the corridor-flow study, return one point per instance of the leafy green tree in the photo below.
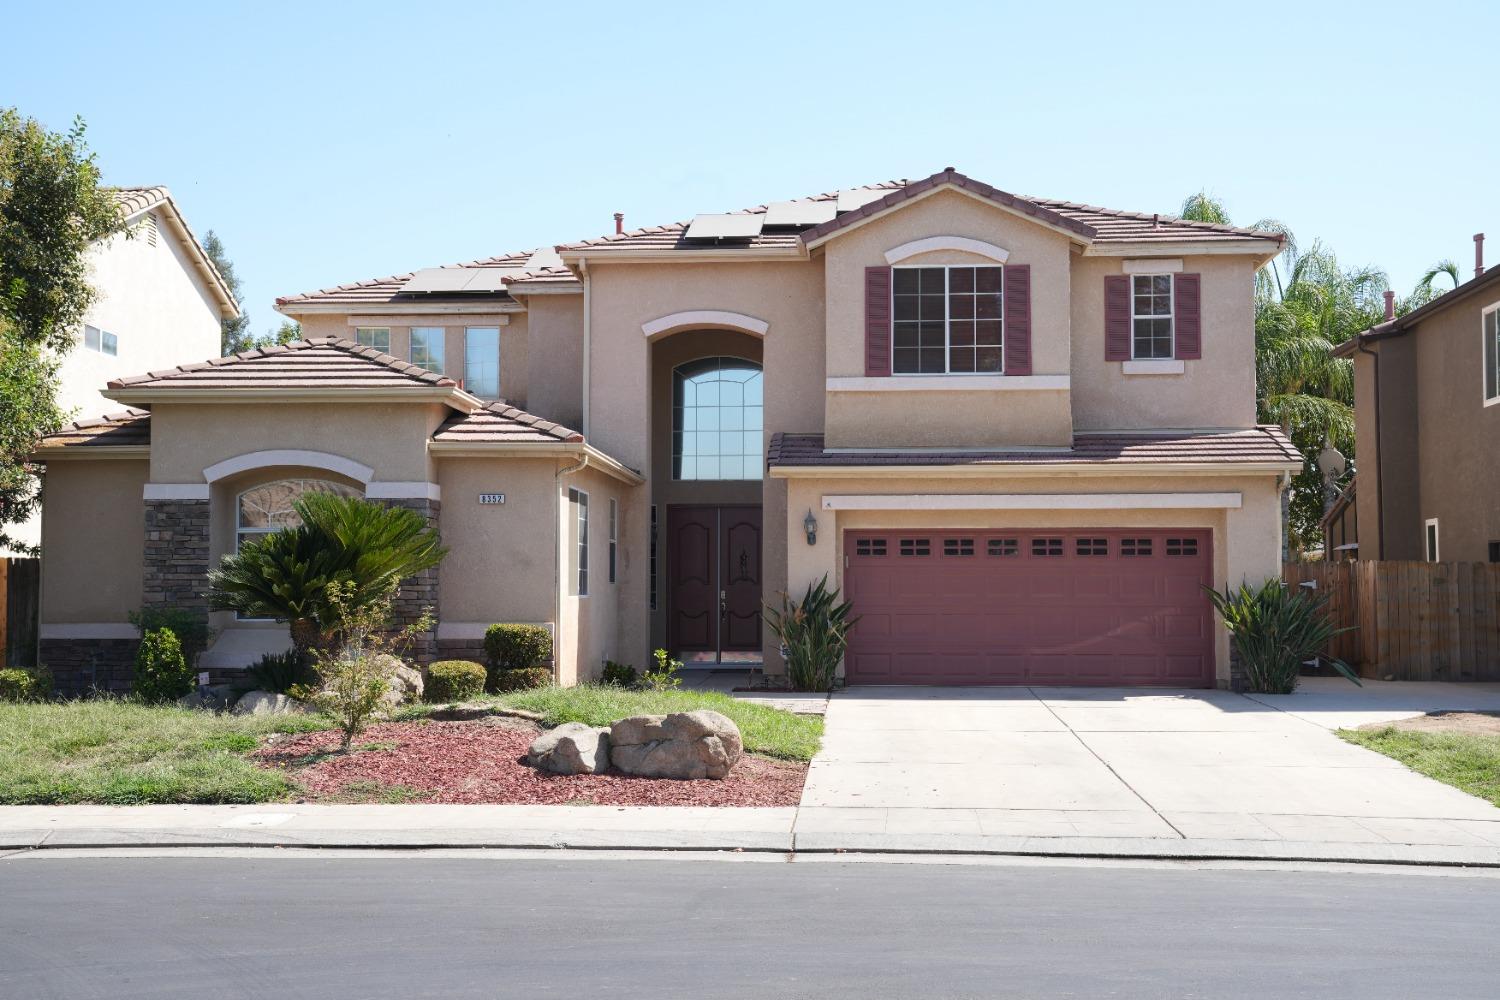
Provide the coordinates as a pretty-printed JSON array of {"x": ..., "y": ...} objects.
[
  {"x": 234, "y": 333},
  {"x": 348, "y": 554},
  {"x": 52, "y": 211},
  {"x": 288, "y": 331}
]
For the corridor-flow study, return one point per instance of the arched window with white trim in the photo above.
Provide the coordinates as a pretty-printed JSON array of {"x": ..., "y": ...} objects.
[
  {"x": 267, "y": 508},
  {"x": 717, "y": 420}
]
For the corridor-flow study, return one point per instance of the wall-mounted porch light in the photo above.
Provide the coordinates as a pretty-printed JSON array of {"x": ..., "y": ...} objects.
[{"x": 810, "y": 526}]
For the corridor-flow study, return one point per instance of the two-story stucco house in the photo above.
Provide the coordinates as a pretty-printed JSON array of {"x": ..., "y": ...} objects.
[
  {"x": 160, "y": 302},
  {"x": 1018, "y": 433}
]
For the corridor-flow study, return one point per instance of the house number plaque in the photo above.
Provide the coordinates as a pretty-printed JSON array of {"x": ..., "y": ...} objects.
[{"x": 485, "y": 498}]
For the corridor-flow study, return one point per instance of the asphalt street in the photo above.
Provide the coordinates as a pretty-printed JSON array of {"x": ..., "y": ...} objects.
[{"x": 372, "y": 926}]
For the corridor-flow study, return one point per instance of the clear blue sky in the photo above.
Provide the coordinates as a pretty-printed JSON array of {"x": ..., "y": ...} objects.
[{"x": 330, "y": 145}]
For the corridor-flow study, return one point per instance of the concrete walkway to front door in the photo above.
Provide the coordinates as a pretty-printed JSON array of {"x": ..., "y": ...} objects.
[{"x": 929, "y": 767}]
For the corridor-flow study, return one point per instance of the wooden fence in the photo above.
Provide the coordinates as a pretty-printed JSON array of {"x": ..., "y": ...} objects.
[
  {"x": 1413, "y": 621},
  {"x": 20, "y": 590}
]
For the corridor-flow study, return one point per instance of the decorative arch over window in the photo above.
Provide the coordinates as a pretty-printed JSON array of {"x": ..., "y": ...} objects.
[
  {"x": 261, "y": 510},
  {"x": 717, "y": 420},
  {"x": 704, "y": 319},
  {"x": 980, "y": 248},
  {"x": 289, "y": 456}
]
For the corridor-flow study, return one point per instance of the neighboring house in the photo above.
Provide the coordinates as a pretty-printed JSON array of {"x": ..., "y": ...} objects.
[
  {"x": 160, "y": 302},
  {"x": 1427, "y": 428},
  {"x": 1018, "y": 433}
]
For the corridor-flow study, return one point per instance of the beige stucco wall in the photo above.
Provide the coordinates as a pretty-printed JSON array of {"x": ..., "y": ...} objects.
[
  {"x": 597, "y": 626},
  {"x": 554, "y": 359},
  {"x": 1247, "y": 540},
  {"x": 93, "y": 538},
  {"x": 389, "y": 437},
  {"x": 926, "y": 419},
  {"x": 1217, "y": 391}
]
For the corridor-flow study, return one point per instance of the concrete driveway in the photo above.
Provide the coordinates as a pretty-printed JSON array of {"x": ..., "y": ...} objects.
[{"x": 1136, "y": 763}]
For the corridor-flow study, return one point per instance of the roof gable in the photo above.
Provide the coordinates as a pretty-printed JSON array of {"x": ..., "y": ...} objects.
[
  {"x": 136, "y": 201},
  {"x": 501, "y": 423}
]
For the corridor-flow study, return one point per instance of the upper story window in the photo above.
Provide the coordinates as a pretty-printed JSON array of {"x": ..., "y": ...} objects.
[
  {"x": 1151, "y": 316},
  {"x": 716, "y": 420},
  {"x": 482, "y": 361},
  {"x": 427, "y": 347},
  {"x": 102, "y": 341},
  {"x": 1491, "y": 328},
  {"x": 378, "y": 337},
  {"x": 947, "y": 320}
]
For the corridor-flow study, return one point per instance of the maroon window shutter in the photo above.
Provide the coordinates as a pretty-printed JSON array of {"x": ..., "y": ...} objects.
[
  {"x": 1117, "y": 317},
  {"x": 1188, "y": 305},
  {"x": 877, "y": 321},
  {"x": 1018, "y": 319}
]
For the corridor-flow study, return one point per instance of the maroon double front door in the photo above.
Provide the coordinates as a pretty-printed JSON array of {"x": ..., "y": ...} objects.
[
  {"x": 1085, "y": 607},
  {"x": 713, "y": 581}
]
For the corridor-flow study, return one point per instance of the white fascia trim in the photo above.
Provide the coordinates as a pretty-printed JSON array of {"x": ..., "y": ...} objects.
[
  {"x": 175, "y": 491},
  {"x": 295, "y": 309},
  {"x": 1154, "y": 265},
  {"x": 993, "y": 470},
  {"x": 476, "y": 630},
  {"x": 710, "y": 318},
  {"x": 289, "y": 456},
  {"x": 980, "y": 248},
  {"x": 89, "y": 630},
  {"x": 1160, "y": 367},
  {"x": 1038, "y": 501},
  {"x": 403, "y": 491},
  {"x": 1175, "y": 248},
  {"x": 931, "y": 383}
]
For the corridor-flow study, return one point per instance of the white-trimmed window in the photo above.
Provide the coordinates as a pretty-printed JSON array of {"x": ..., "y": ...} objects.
[
  {"x": 1151, "y": 317},
  {"x": 102, "y": 341},
  {"x": 947, "y": 320},
  {"x": 580, "y": 502},
  {"x": 1430, "y": 538},
  {"x": 427, "y": 347},
  {"x": 1491, "y": 327},
  {"x": 717, "y": 420},
  {"x": 270, "y": 507},
  {"x": 482, "y": 361},
  {"x": 378, "y": 337},
  {"x": 614, "y": 534}
]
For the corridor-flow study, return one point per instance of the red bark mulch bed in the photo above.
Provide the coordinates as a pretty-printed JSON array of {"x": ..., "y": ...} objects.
[{"x": 483, "y": 761}]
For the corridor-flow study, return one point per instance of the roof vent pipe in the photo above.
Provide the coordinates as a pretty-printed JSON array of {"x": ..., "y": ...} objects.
[
  {"x": 1478, "y": 254},
  {"x": 619, "y": 223},
  {"x": 1390, "y": 304}
]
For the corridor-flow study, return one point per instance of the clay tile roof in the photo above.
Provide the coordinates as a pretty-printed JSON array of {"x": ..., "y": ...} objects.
[
  {"x": 1114, "y": 225},
  {"x": 320, "y": 362},
  {"x": 1254, "y": 446},
  {"x": 135, "y": 200},
  {"x": 128, "y": 427},
  {"x": 501, "y": 423},
  {"x": 388, "y": 289}
]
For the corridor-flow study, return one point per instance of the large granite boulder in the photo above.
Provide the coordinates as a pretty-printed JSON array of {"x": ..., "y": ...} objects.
[
  {"x": 571, "y": 748},
  {"x": 701, "y": 744},
  {"x": 266, "y": 703}
]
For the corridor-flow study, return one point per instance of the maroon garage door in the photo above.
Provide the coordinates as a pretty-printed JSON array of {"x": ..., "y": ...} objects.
[{"x": 1027, "y": 607}]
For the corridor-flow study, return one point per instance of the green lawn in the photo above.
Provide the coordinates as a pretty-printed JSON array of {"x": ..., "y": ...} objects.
[
  {"x": 1467, "y": 761},
  {"x": 766, "y": 731},
  {"x": 119, "y": 753}
]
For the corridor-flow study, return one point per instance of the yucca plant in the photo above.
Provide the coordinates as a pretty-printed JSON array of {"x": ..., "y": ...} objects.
[
  {"x": 814, "y": 631},
  {"x": 1275, "y": 630},
  {"x": 365, "y": 548}
]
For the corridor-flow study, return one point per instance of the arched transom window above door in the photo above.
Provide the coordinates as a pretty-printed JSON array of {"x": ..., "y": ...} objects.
[
  {"x": 264, "y": 509},
  {"x": 717, "y": 420}
]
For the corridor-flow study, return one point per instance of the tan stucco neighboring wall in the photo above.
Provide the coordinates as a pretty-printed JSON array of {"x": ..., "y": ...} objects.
[
  {"x": 1247, "y": 540},
  {"x": 921, "y": 418},
  {"x": 93, "y": 538},
  {"x": 1458, "y": 437},
  {"x": 1388, "y": 500},
  {"x": 391, "y": 438},
  {"x": 1216, "y": 391},
  {"x": 553, "y": 386}
]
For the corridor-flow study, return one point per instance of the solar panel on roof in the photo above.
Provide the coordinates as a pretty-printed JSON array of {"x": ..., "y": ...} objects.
[
  {"x": 545, "y": 257},
  {"x": 859, "y": 197},
  {"x": 800, "y": 213},
  {"x": 469, "y": 280},
  {"x": 725, "y": 227}
]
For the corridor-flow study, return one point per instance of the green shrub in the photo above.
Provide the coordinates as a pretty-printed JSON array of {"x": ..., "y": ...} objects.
[
  {"x": 814, "y": 633},
  {"x": 454, "y": 680},
  {"x": 191, "y": 628},
  {"x": 619, "y": 674},
  {"x": 522, "y": 679},
  {"x": 1275, "y": 629},
  {"x": 664, "y": 675},
  {"x": 511, "y": 647},
  {"x": 25, "y": 684},
  {"x": 278, "y": 673},
  {"x": 162, "y": 673}
]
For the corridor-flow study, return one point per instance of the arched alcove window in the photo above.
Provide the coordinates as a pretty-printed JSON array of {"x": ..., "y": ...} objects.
[
  {"x": 263, "y": 509},
  {"x": 717, "y": 420}
]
